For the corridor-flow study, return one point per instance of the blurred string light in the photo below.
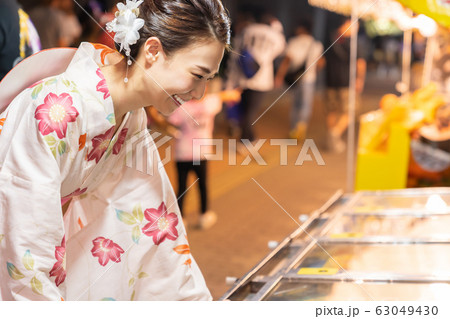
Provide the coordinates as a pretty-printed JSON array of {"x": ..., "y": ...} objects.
[
  {"x": 381, "y": 27},
  {"x": 381, "y": 11},
  {"x": 426, "y": 25}
]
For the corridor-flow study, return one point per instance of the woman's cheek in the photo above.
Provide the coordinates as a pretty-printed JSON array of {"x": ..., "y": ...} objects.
[{"x": 184, "y": 84}]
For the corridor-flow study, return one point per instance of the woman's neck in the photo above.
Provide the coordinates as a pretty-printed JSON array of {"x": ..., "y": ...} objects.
[{"x": 125, "y": 96}]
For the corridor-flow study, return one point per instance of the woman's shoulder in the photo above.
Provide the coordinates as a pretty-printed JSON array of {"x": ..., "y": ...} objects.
[
  {"x": 57, "y": 95},
  {"x": 58, "y": 111},
  {"x": 49, "y": 113}
]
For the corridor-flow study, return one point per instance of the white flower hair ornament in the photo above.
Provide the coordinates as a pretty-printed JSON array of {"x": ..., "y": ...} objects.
[{"x": 126, "y": 25}]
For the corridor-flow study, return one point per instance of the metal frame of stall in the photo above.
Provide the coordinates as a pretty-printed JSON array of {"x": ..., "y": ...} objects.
[{"x": 280, "y": 265}]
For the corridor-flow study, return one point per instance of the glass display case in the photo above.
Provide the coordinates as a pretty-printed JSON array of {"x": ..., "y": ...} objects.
[{"x": 384, "y": 245}]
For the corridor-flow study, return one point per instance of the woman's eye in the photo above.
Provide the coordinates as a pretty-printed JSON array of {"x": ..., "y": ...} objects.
[{"x": 198, "y": 76}]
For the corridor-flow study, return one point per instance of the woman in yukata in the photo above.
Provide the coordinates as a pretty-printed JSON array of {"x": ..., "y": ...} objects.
[{"x": 87, "y": 211}]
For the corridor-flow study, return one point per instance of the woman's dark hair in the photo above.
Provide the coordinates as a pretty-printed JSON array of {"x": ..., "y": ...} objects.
[{"x": 179, "y": 23}]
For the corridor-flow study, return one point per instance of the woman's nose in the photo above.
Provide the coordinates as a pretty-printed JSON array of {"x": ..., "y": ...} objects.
[{"x": 199, "y": 90}]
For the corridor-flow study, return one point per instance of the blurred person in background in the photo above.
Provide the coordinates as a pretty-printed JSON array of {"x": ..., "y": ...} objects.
[
  {"x": 70, "y": 26},
  {"x": 88, "y": 13},
  {"x": 47, "y": 18},
  {"x": 196, "y": 124},
  {"x": 303, "y": 60},
  {"x": 338, "y": 81},
  {"x": 264, "y": 43},
  {"x": 233, "y": 110},
  {"x": 18, "y": 37}
]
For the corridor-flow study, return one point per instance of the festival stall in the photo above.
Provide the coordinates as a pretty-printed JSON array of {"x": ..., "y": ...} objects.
[
  {"x": 404, "y": 142},
  {"x": 365, "y": 246}
]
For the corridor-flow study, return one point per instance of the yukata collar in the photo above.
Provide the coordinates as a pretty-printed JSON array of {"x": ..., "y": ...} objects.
[{"x": 84, "y": 70}]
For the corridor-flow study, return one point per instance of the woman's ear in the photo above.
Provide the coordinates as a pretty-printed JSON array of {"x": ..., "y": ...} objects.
[{"x": 152, "y": 50}]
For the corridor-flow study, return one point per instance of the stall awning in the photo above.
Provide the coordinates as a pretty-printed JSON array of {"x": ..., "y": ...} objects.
[
  {"x": 439, "y": 10},
  {"x": 365, "y": 9},
  {"x": 395, "y": 11}
]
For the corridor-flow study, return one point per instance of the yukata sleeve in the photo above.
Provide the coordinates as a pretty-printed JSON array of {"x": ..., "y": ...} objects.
[{"x": 32, "y": 244}]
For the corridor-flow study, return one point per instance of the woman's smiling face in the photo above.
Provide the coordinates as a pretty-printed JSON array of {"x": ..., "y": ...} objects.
[{"x": 183, "y": 76}]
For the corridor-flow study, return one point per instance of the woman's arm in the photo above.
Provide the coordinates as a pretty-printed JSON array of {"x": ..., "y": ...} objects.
[{"x": 32, "y": 249}]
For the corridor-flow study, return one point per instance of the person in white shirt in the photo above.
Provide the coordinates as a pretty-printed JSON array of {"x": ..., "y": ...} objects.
[
  {"x": 264, "y": 43},
  {"x": 302, "y": 50}
]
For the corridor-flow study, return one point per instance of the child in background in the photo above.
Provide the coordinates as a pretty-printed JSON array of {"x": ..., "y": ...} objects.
[{"x": 195, "y": 120}]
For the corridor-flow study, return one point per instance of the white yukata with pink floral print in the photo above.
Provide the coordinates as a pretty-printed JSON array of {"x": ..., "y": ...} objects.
[{"x": 122, "y": 237}]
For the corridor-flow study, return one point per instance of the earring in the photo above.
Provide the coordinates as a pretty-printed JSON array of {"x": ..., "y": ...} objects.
[
  {"x": 155, "y": 57},
  {"x": 128, "y": 64}
]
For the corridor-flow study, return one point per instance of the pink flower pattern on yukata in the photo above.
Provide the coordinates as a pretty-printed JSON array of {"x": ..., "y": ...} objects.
[
  {"x": 59, "y": 268},
  {"x": 101, "y": 86},
  {"x": 120, "y": 141},
  {"x": 77, "y": 192},
  {"x": 162, "y": 225},
  {"x": 55, "y": 113},
  {"x": 106, "y": 250},
  {"x": 100, "y": 144}
]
